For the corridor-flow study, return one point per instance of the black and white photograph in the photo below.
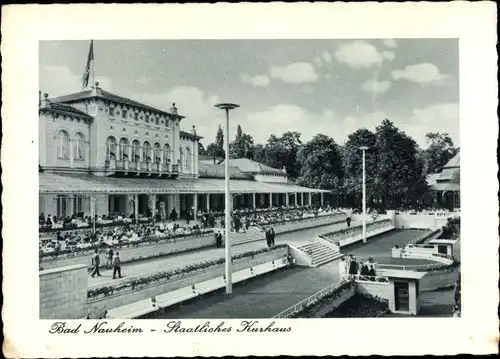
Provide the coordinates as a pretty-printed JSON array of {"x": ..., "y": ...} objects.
[
  {"x": 225, "y": 185},
  {"x": 343, "y": 170}
]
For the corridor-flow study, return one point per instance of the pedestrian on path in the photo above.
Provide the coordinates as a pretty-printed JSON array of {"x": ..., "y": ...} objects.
[
  {"x": 96, "y": 262},
  {"x": 342, "y": 268},
  {"x": 273, "y": 236},
  {"x": 117, "y": 266}
]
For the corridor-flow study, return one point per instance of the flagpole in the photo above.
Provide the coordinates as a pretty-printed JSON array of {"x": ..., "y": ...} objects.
[{"x": 93, "y": 64}]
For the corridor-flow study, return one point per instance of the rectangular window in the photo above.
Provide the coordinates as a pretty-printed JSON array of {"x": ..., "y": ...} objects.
[
  {"x": 61, "y": 206},
  {"x": 136, "y": 116},
  {"x": 124, "y": 114},
  {"x": 111, "y": 111},
  {"x": 77, "y": 204}
]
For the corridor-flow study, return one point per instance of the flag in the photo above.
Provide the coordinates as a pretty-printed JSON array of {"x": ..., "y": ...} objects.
[{"x": 90, "y": 58}]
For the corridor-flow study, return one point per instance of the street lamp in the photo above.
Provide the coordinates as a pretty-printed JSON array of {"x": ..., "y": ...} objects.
[
  {"x": 363, "y": 149},
  {"x": 229, "y": 282}
]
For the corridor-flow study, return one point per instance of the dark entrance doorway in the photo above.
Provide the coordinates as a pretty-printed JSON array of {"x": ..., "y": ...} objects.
[{"x": 402, "y": 296}]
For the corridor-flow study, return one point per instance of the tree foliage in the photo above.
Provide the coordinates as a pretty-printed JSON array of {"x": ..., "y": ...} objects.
[
  {"x": 216, "y": 149},
  {"x": 439, "y": 151},
  {"x": 320, "y": 164},
  {"x": 282, "y": 152},
  {"x": 201, "y": 149},
  {"x": 242, "y": 146}
]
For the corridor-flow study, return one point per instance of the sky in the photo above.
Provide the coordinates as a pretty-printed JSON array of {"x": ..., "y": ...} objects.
[{"x": 333, "y": 87}]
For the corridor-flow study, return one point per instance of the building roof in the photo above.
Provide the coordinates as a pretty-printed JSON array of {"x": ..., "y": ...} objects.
[
  {"x": 63, "y": 109},
  {"x": 189, "y": 135},
  {"x": 210, "y": 170},
  {"x": 454, "y": 162},
  {"x": 105, "y": 95},
  {"x": 445, "y": 186},
  {"x": 58, "y": 183},
  {"x": 249, "y": 166},
  {"x": 403, "y": 274}
]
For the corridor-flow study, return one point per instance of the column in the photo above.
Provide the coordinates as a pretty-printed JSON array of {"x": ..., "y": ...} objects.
[
  {"x": 287, "y": 199},
  {"x": 152, "y": 204},
  {"x": 301, "y": 198},
  {"x": 321, "y": 199},
  {"x": 270, "y": 200},
  {"x": 309, "y": 197},
  {"x": 296, "y": 199},
  {"x": 208, "y": 202},
  {"x": 195, "y": 205},
  {"x": 136, "y": 208},
  {"x": 253, "y": 201}
]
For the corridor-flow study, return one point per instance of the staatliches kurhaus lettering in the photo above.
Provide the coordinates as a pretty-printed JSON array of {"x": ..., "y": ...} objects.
[{"x": 246, "y": 326}]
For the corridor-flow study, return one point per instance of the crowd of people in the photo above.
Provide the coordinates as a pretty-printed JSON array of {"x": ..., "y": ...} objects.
[
  {"x": 113, "y": 237},
  {"x": 350, "y": 267}
]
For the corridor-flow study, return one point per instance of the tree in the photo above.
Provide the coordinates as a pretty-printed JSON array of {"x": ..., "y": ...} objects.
[
  {"x": 217, "y": 149},
  {"x": 201, "y": 149},
  {"x": 399, "y": 175},
  {"x": 282, "y": 151},
  {"x": 353, "y": 165},
  {"x": 439, "y": 151},
  {"x": 259, "y": 153},
  {"x": 320, "y": 164},
  {"x": 242, "y": 146}
]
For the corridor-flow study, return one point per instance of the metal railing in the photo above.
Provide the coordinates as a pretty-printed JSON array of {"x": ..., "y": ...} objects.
[
  {"x": 371, "y": 279},
  {"x": 309, "y": 300}
]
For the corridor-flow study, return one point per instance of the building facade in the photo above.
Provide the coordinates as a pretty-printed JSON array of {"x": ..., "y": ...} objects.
[{"x": 103, "y": 154}]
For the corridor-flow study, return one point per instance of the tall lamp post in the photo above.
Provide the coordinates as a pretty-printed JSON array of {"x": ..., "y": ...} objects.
[
  {"x": 228, "y": 199},
  {"x": 363, "y": 149}
]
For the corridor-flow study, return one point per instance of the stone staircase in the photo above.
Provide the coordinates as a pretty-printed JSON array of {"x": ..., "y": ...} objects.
[{"x": 321, "y": 254}]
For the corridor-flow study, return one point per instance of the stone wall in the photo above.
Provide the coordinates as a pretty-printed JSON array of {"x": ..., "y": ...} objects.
[
  {"x": 63, "y": 292},
  {"x": 438, "y": 279},
  {"x": 376, "y": 289},
  {"x": 135, "y": 253}
]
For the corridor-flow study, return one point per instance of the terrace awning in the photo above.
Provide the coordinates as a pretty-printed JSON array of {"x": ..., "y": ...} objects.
[
  {"x": 52, "y": 183},
  {"x": 445, "y": 186}
]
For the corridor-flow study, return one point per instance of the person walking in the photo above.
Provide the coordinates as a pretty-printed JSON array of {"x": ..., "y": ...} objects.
[
  {"x": 96, "y": 262},
  {"x": 268, "y": 238},
  {"x": 342, "y": 268},
  {"x": 348, "y": 217},
  {"x": 372, "y": 273},
  {"x": 117, "y": 266},
  {"x": 273, "y": 236},
  {"x": 109, "y": 262}
]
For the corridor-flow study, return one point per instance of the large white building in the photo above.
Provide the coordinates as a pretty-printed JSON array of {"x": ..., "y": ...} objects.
[{"x": 109, "y": 154}]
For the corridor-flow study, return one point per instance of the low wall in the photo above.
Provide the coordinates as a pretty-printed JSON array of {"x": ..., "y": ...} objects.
[
  {"x": 359, "y": 237},
  {"x": 376, "y": 289},
  {"x": 157, "y": 288},
  {"x": 301, "y": 258},
  {"x": 438, "y": 279},
  {"x": 422, "y": 220},
  {"x": 309, "y": 223},
  {"x": 130, "y": 254},
  {"x": 63, "y": 292}
]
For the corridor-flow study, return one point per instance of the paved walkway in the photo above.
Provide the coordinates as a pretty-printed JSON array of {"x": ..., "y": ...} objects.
[
  {"x": 268, "y": 295},
  {"x": 180, "y": 259}
]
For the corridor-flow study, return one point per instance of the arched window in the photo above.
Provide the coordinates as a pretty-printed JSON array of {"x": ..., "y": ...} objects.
[
  {"x": 146, "y": 152},
  {"x": 136, "y": 151},
  {"x": 62, "y": 144},
  {"x": 157, "y": 152},
  {"x": 187, "y": 159},
  {"x": 79, "y": 147},
  {"x": 111, "y": 148},
  {"x": 166, "y": 153},
  {"x": 124, "y": 146}
]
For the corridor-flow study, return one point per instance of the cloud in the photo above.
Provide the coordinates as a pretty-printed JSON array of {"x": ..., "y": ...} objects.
[
  {"x": 143, "y": 80},
  {"x": 296, "y": 73},
  {"x": 257, "y": 81},
  {"x": 327, "y": 57},
  {"x": 376, "y": 86},
  {"x": 390, "y": 43},
  {"x": 440, "y": 117},
  {"x": 318, "y": 62},
  {"x": 287, "y": 117},
  {"x": 360, "y": 54},
  {"x": 59, "y": 80},
  {"x": 425, "y": 73}
]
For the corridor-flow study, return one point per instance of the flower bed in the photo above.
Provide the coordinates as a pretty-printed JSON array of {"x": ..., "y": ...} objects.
[
  {"x": 137, "y": 282},
  {"x": 308, "y": 311},
  {"x": 150, "y": 240},
  {"x": 361, "y": 306},
  {"x": 352, "y": 231},
  {"x": 437, "y": 267}
]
